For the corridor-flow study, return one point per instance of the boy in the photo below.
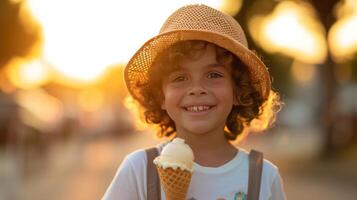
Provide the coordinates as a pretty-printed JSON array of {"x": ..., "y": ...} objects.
[{"x": 198, "y": 81}]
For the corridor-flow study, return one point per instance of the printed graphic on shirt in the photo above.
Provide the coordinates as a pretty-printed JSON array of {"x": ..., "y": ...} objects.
[
  {"x": 240, "y": 196},
  {"x": 237, "y": 196}
]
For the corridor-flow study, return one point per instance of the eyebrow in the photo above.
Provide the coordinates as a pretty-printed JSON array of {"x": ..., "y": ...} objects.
[{"x": 212, "y": 65}]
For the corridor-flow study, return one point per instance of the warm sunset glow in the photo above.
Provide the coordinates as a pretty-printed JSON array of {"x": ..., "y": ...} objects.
[
  {"x": 134, "y": 109},
  {"x": 231, "y": 7},
  {"x": 267, "y": 119},
  {"x": 291, "y": 29},
  {"x": 5, "y": 85},
  {"x": 27, "y": 74},
  {"x": 343, "y": 34},
  {"x": 303, "y": 73},
  {"x": 41, "y": 109},
  {"x": 82, "y": 38},
  {"x": 268, "y": 111},
  {"x": 91, "y": 100}
]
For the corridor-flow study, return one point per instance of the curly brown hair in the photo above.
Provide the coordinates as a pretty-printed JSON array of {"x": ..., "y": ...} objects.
[{"x": 251, "y": 105}]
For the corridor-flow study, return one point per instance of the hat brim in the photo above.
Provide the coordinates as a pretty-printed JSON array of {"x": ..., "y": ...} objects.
[{"x": 136, "y": 71}]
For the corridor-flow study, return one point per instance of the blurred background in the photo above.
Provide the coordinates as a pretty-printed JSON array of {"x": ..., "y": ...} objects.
[{"x": 66, "y": 120}]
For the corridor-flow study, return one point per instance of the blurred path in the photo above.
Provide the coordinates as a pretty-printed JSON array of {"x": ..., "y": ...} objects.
[
  {"x": 296, "y": 153},
  {"x": 82, "y": 169}
]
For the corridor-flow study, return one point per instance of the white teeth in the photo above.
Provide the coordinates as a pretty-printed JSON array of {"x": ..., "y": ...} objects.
[{"x": 197, "y": 108}]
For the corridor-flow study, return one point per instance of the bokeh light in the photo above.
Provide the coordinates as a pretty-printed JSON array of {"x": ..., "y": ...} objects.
[
  {"x": 41, "y": 109},
  {"x": 291, "y": 29},
  {"x": 342, "y": 37},
  {"x": 27, "y": 74}
]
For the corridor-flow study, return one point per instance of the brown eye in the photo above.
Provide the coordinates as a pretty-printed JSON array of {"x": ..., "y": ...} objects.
[
  {"x": 214, "y": 75},
  {"x": 179, "y": 78}
]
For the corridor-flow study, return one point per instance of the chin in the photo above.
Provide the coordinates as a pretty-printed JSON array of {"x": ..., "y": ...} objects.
[{"x": 198, "y": 130}]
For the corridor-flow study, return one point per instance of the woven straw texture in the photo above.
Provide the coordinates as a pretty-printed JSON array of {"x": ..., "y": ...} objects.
[
  {"x": 174, "y": 182},
  {"x": 196, "y": 22}
]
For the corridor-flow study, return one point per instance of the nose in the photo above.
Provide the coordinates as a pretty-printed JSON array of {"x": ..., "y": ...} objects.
[{"x": 197, "y": 89}]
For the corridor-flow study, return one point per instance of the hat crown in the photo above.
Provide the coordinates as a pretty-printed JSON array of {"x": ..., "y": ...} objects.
[
  {"x": 204, "y": 18},
  {"x": 195, "y": 22}
]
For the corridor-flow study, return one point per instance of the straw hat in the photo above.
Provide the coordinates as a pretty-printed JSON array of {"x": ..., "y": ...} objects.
[{"x": 196, "y": 22}]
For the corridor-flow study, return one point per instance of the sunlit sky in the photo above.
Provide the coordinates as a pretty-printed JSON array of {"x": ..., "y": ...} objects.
[{"x": 82, "y": 38}]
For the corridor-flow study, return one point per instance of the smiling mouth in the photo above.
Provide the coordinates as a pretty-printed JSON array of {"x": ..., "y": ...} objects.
[{"x": 198, "y": 108}]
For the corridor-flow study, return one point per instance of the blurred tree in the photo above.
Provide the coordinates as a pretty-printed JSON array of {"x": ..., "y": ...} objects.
[
  {"x": 278, "y": 64},
  {"x": 282, "y": 63},
  {"x": 325, "y": 11},
  {"x": 15, "y": 39}
]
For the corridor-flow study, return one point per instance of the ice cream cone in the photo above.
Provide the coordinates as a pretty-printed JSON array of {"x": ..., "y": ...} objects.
[
  {"x": 175, "y": 168},
  {"x": 175, "y": 182}
]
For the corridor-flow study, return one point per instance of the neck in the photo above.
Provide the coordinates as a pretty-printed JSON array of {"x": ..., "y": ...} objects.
[{"x": 209, "y": 148}]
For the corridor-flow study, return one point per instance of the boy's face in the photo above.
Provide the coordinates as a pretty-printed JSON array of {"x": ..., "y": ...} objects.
[{"x": 199, "y": 96}]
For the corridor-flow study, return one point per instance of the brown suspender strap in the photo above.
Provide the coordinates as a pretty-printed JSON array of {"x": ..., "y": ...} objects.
[
  {"x": 152, "y": 177},
  {"x": 255, "y": 174}
]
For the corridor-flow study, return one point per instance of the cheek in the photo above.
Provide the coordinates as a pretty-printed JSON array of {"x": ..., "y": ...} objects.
[
  {"x": 226, "y": 96},
  {"x": 171, "y": 97},
  {"x": 223, "y": 89}
]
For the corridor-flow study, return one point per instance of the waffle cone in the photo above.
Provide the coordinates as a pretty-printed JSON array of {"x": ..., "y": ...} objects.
[{"x": 175, "y": 182}]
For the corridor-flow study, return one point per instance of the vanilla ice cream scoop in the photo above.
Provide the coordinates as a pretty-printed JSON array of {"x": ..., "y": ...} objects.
[{"x": 175, "y": 155}]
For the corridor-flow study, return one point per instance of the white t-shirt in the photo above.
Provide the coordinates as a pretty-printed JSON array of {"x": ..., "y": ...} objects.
[{"x": 226, "y": 182}]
